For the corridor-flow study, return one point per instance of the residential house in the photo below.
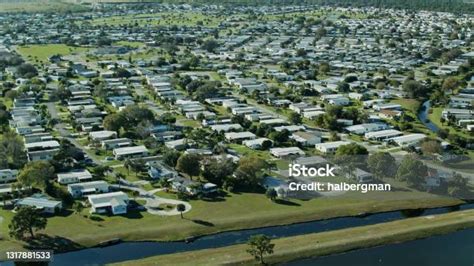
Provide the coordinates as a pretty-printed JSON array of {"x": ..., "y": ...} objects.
[
  {"x": 112, "y": 202},
  {"x": 79, "y": 190}
]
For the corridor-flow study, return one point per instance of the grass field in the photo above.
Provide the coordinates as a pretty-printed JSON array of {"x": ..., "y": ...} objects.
[
  {"x": 163, "y": 19},
  {"x": 306, "y": 246},
  {"x": 234, "y": 211},
  {"x": 40, "y": 6},
  {"x": 409, "y": 104},
  {"x": 41, "y": 53},
  {"x": 435, "y": 117}
]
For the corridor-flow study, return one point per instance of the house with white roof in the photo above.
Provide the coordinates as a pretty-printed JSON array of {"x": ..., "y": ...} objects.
[
  {"x": 226, "y": 127},
  {"x": 40, "y": 202},
  {"x": 74, "y": 177},
  {"x": 239, "y": 136},
  {"x": 307, "y": 138},
  {"x": 382, "y": 134},
  {"x": 365, "y": 128},
  {"x": 113, "y": 202},
  {"x": 102, "y": 135},
  {"x": 79, "y": 190},
  {"x": 286, "y": 152},
  {"x": 330, "y": 147},
  {"x": 109, "y": 144},
  {"x": 408, "y": 140},
  {"x": 255, "y": 143},
  {"x": 8, "y": 175},
  {"x": 130, "y": 152}
]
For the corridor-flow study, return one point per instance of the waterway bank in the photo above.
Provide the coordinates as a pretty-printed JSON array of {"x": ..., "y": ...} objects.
[{"x": 320, "y": 244}]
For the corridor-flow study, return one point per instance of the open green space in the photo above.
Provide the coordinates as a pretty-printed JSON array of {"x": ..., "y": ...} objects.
[
  {"x": 40, "y": 6},
  {"x": 41, "y": 53},
  {"x": 411, "y": 105},
  {"x": 319, "y": 244},
  {"x": 232, "y": 212},
  {"x": 435, "y": 117},
  {"x": 163, "y": 19}
]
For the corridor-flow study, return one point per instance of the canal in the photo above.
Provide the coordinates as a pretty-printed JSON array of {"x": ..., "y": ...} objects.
[
  {"x": 138, "y": 250},
  {"x": 423, "y": 116},
  {"x": 452, "y": 249}
]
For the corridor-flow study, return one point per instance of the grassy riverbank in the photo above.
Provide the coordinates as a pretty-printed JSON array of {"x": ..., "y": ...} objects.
[
  {"x": 291, "y": 248},
  {"x": 232, "y": 212}
]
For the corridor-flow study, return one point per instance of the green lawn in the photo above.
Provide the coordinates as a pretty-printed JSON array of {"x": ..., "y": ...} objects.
[
  {"x": 41, "y": 6},
  {"x": 435, "y": 117},
  {"x": 319, "y": 244},
  {"x": 246, "y": 151},
  {"x": 42, "y": 52},
  {"x": 130, "y": 44},
  {"x": 184, "y": 18},
  {"x": 411, "y": 105},
  {"x": 235, "y": 211}
]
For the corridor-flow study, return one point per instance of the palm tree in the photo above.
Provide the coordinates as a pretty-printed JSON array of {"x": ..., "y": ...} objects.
[{"x": 181, "y": 208}]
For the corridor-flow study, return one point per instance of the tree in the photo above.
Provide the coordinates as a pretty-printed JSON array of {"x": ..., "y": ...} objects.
[
  {"x": 430, "y": 147},
  {"x": 259, "y": 245},
  {"x": 189, "y": 164},
  {"x": 324, "y": 67},
  {"x": 26, "y": 220},
  {"x": 100, "y": 170},
  {"x": 210, "y": 45},
  {"x": 217, "y": 170},
  {"x": 136, "y": 166},
  {"x": 36, "y": 174},
  {"x": 413, "y": 171},
  {"x": 266, "y": 144},
  {"x": 170, "y": 157},
  {"x": 249, "y": 172},
  {"x": 122, "y": 73},
  {"x": 181, "y": 208},
  {"x": 382, "y": 164},
  {"x": 343, "y": 87},
  {"x": 113, "y": 122},
  {"x": 458, "y": 186},
  {"x": 271, "y": 194},
  {"x": 295, "y": 118},
  {"x": 413, "y": 88},
  {"x": 449, "y": 84},
  {"x": 77, "y": 207},
  {"x": 279, "y": 136},
  {"x": 27, "y": 70},
  {"x": 351, "y": 149}
]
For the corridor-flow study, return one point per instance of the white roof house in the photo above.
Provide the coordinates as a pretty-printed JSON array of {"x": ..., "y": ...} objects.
[
  {"x": 255, "y": 143},
  {"x": 78, "y": 190},
  {"x": 364, "y": 128},
  {"x": 330, "y": 147},
  {"x": 291, "y": 128},
  {"x": 236, "y": 136},
  {"x": 42, "y": 145},
  {"x": 42, "y": 155},
  {"x": 74, "y": 177},
  {"x": 8, "y": 175},
  {"x": 307, "y": 138},
  {"x": 226, "y": 127},
  {"x": 116, "y": 143},
  {"x": 408, "y": 140},
  {"x": 285, "y": 152},
  {"x": 114, "y": 202},
  {"x": 40, "y": 202},
  {"x": 130, "y": 152},
  {"x": 382, "y": 134},
  {"x": 102, "y": 135}
]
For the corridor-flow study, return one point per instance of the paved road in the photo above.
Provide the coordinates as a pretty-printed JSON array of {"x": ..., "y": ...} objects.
[{"x": 66, "y": 133}]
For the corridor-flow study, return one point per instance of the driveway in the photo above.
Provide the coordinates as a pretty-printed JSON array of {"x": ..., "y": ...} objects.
[{"x": 152, "y": 202}]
